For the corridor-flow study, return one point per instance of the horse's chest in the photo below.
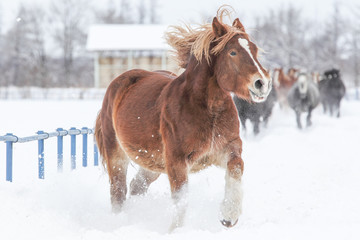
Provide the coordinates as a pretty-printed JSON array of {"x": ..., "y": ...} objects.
[
  {"x": 215, "y": 141},
  {"x": 218, "y": 138}
]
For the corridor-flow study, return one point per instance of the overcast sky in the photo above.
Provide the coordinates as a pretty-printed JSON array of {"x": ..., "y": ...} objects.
[{"x": 174, "y": 11}]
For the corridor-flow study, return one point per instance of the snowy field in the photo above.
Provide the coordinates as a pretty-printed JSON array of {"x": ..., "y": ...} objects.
[{"x": 297, "y": 184}]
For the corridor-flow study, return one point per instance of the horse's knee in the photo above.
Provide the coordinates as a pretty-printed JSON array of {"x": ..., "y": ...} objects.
[{"x": 235, "y": 168}]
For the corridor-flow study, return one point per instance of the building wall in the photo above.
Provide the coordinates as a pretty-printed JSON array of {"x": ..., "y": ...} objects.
[{"x": 109, "y": 67}]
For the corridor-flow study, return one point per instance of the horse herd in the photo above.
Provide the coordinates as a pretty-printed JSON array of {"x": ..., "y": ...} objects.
[
  {"x": 178, "y": 125},
  {"x": 299, "y": 90}
]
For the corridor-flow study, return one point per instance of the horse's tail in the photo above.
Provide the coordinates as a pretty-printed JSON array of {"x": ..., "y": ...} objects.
[{"x": 99, "y": 137}]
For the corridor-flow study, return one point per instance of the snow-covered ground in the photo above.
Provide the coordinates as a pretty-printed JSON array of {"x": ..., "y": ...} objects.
[{"x": 297, "y": 184}]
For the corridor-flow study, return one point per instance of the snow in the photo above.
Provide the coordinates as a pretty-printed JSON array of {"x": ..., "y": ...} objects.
[{"x": 297, "y": 184}]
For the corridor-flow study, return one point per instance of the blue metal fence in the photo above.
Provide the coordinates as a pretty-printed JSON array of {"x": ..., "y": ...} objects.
[{"x": 10, "y": 139}]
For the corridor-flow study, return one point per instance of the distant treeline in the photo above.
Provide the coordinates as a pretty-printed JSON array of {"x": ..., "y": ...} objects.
[{"x": 45, "y": 46}]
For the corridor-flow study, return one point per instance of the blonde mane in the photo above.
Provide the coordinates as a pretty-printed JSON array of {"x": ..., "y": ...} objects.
[{"x": 188, "y": 40}]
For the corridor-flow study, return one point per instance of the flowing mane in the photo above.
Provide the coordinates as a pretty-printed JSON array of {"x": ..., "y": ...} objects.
[{"x": 188, "y": 40}]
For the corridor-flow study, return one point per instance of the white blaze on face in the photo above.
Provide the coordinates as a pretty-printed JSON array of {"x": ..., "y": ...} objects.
[
  {"x": 303, "y": 85},
  {"x": 245, "y": 44}
]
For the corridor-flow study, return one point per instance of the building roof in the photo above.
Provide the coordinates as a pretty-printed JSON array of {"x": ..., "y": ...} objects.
[{"x": 107, "y": 37}]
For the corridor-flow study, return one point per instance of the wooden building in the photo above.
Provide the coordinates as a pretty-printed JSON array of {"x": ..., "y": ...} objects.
[{"x": 121, "y": 47}]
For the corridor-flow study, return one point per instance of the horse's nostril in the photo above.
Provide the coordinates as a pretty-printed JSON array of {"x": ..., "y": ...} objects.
[{"x": 258, "y": 84}]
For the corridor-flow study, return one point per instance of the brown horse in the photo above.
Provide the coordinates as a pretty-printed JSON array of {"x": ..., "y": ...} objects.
[
  {"x": 177, "y": 125},
  {"x": 283, "y": 82}
]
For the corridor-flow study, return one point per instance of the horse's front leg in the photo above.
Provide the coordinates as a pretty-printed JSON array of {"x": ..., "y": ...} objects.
[
  {"x": 231, "y": 206},
  {"x": 298, "y": 118},
  {"x": 338, "y": 108},
  {"x": 177, "y": 171},
  {"x": 308, "y": 118}
]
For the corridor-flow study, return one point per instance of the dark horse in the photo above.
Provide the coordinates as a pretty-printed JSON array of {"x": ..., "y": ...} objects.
[
  {"x": 178, "y": 125},
  {"x": 255, "y": 112},
  {"x": 303, "y": 97},
  {"x": 332, "y": 90}
]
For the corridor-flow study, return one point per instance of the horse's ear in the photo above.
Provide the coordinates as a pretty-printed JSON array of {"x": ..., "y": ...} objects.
[
  {"x": 238, "y": 25},
  {"x": 218, "y": 29}
]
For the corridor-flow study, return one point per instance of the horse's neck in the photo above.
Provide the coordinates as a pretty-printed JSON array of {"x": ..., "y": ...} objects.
[
  {"x": 197, "y": 75},
  {"x": 201, "y": 82}
]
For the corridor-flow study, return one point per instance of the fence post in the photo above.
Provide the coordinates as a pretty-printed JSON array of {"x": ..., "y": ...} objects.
[
  {"x": 60, "y": 154},
  {"x": 96, "y": 154},
  {"x": 41, "y": 156},
  {"x": 9, "y": 158},
  {"x": 85, "y": 137},
  {"x": 73, "y": 150}
]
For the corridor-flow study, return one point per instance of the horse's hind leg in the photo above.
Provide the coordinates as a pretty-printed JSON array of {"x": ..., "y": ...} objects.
[
  {"x": 117, "y": 169},
  {"x": 142, "y": 181}
]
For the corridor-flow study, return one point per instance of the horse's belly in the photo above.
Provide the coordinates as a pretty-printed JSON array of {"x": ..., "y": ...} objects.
[
  {"x": 150, "y": 161},
  {"x": 144, "y": 147}
]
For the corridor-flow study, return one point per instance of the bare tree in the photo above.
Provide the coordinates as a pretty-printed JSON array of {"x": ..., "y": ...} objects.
[
  {"x": 142, "y": 11},
  {"x": 154, "y": 18},
  {"x": 39, "y": 64},
  {"x": 355, "y": 51},
  {"x": 283, "y": 33},
  {"x": 109, "y": 15},
  {"x": 123, "y": 12},
  {"x": 68, "y": 28},
  {"x": 24, "y": 49},
  {"x": 117, "y": 11},
  {"x": 332, "y": 39}
]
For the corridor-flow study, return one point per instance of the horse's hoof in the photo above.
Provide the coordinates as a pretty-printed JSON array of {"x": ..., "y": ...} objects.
[{"x": 228, "y": 224}]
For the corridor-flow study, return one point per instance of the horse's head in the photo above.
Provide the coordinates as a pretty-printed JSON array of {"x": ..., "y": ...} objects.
[
  {"x": 236, "y": 66},
  {"x": 332, "y": 74},
  {"x": 302, "y": 85}
]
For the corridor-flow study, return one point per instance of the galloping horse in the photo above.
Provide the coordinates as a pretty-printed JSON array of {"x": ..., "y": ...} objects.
[
  {"x": 178, "y": 125},
  {"x": 303, "y": 97},
  {"x": 255, "y": 112},
  {"x": 332, "y": 90},
  {"x": 283, "y": 82}
]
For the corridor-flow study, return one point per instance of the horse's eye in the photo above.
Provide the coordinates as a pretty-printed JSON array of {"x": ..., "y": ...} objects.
[{"x": 233, "y": 53}]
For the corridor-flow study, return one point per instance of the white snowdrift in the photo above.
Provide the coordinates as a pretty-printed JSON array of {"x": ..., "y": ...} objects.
[{"x": 297, "y": 184}]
